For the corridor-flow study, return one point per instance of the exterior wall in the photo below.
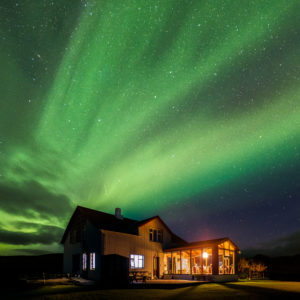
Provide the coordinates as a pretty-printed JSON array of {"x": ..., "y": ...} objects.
[
  {"x": 90, "y": 242},
  {"x": 215, "y": 260},
  {"x": 69, "y": 250},
  {"x": 125, "y": 244},
  {"x": 93, "y": 244},
  {"x": 72, "y": 248}
]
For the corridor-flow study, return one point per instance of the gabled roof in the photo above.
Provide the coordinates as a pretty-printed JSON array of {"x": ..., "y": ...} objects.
[
  {"x": 107, "y": 221},
  {"x": 175, "y": 238},
  {"x": 103, "y": 220},
  {"x": 207, "y": 243}
]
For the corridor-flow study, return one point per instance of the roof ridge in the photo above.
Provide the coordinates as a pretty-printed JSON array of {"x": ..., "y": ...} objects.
[
  {"x": 102, "y": 212},
  {"x": 211, "y": 240}
]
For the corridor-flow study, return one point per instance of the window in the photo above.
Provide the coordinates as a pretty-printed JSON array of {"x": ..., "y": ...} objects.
[
  {"x": 84, "y": 261},
  {"x": 226, "y": 258},
  {"x": 156, "y": 235},
  {"x": 185, "y": 262},
  {"x": 136, "y": 261},
  {"x": 207, "y": 261},
  {"x": 92, "y": 261},
  {"x": 159, "y": 235}
]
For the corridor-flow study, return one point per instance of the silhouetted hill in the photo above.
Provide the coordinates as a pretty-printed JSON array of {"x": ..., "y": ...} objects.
[{"x": 31, "y": 266}]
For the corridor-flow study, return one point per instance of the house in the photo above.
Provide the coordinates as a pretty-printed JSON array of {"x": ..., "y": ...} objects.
[{"x": 96, "y": 243}]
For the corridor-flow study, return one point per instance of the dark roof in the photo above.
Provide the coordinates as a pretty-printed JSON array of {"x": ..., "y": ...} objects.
[
  {"x": 107, "y": 221},
  {"x": 103, "y": 220},
  {"x": 207, "y": 243}
]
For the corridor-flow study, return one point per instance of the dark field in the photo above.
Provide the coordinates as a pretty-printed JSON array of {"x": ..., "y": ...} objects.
[{"x": 241, "y": 290}]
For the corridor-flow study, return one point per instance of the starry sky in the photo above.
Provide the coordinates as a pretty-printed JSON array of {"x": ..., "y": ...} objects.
[{"x": 185, "y": 109}]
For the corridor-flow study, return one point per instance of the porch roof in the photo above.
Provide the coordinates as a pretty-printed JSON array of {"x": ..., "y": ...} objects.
[{"x": 202, "y": 244}]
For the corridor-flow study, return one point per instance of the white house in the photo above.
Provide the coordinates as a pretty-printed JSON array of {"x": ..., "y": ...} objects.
[{"x": 97, "y": 243}]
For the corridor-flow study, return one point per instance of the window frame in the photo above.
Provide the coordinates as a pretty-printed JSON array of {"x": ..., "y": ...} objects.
[
  {"x": 84, "y": 261},
  {"x": 156, "y": 235},
  {"x": 137, "y": 258},
  {"x": 92, "y": 261},
  {"x": 150, "y": 234}
]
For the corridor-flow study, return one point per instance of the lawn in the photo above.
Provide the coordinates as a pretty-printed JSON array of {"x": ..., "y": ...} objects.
[{"x": 242, "y": 290}]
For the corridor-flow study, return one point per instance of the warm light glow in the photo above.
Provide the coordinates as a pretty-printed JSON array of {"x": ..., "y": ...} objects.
[
  {"x": 92, "y": 261},
  {"x": 205, "y": 255},
  {"x": 136, "y": 261}
]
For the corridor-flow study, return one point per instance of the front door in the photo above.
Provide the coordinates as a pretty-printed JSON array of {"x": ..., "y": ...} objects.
[{"x": 156, "y": 266}]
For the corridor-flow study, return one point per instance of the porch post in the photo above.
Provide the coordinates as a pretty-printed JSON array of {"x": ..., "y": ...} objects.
[
  {"x": 236, "y": 261},
  {"x": 190, "y": 262},
  {"x": 180, "y": 263},
  {"x": 201, "y": 261},
  {"x": 215, "y": 260},
  {"x": 171, "y": 262}
]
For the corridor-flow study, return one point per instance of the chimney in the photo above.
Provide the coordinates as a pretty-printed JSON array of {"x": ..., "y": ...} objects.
[{"x": 118, "y": 213}]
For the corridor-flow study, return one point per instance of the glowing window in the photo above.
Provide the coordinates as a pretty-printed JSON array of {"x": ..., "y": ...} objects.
[
  {"x": 92, "y": 261},
  {"x": 84, "y": 261},
  {"x": 136, "y": 261}
]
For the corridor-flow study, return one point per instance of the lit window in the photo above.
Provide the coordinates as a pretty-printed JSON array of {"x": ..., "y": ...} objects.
[
  {"x": 92, "y": 261},
  {"x": 136, "y": 261},
  {"x": 84, "y": 261}
]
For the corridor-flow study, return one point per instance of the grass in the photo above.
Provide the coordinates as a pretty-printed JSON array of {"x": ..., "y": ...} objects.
[{"x": 266, "y": 289}]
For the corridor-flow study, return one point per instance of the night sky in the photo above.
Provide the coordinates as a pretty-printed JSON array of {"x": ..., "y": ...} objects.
[{"x": 185, "y": 109}]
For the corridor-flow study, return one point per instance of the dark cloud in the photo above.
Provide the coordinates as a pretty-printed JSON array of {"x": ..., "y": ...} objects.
[
  {"x": 288, "y": 245},
  {"x": 29, "y": 252},
  {"x": 43, "y": 234},
  {"x": 34, "y": 201}
]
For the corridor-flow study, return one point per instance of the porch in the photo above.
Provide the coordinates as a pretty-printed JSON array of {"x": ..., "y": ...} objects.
[{"x": 201, "y": 260}]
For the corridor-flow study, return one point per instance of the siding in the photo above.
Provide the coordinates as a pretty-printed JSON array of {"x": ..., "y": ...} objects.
[
  {"x": 125, "y": 244},
  {"x": 91, "y": 243}
]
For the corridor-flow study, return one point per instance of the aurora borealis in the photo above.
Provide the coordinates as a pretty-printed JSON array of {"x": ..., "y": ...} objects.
[{"x": 185, "y": 109}]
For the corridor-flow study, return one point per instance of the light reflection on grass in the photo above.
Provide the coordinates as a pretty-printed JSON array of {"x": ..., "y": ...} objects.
[{"x": 241, "y": 290}]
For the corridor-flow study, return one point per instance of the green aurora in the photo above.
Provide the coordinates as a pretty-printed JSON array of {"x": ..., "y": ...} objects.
[{"x": 142, "y": 105}]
